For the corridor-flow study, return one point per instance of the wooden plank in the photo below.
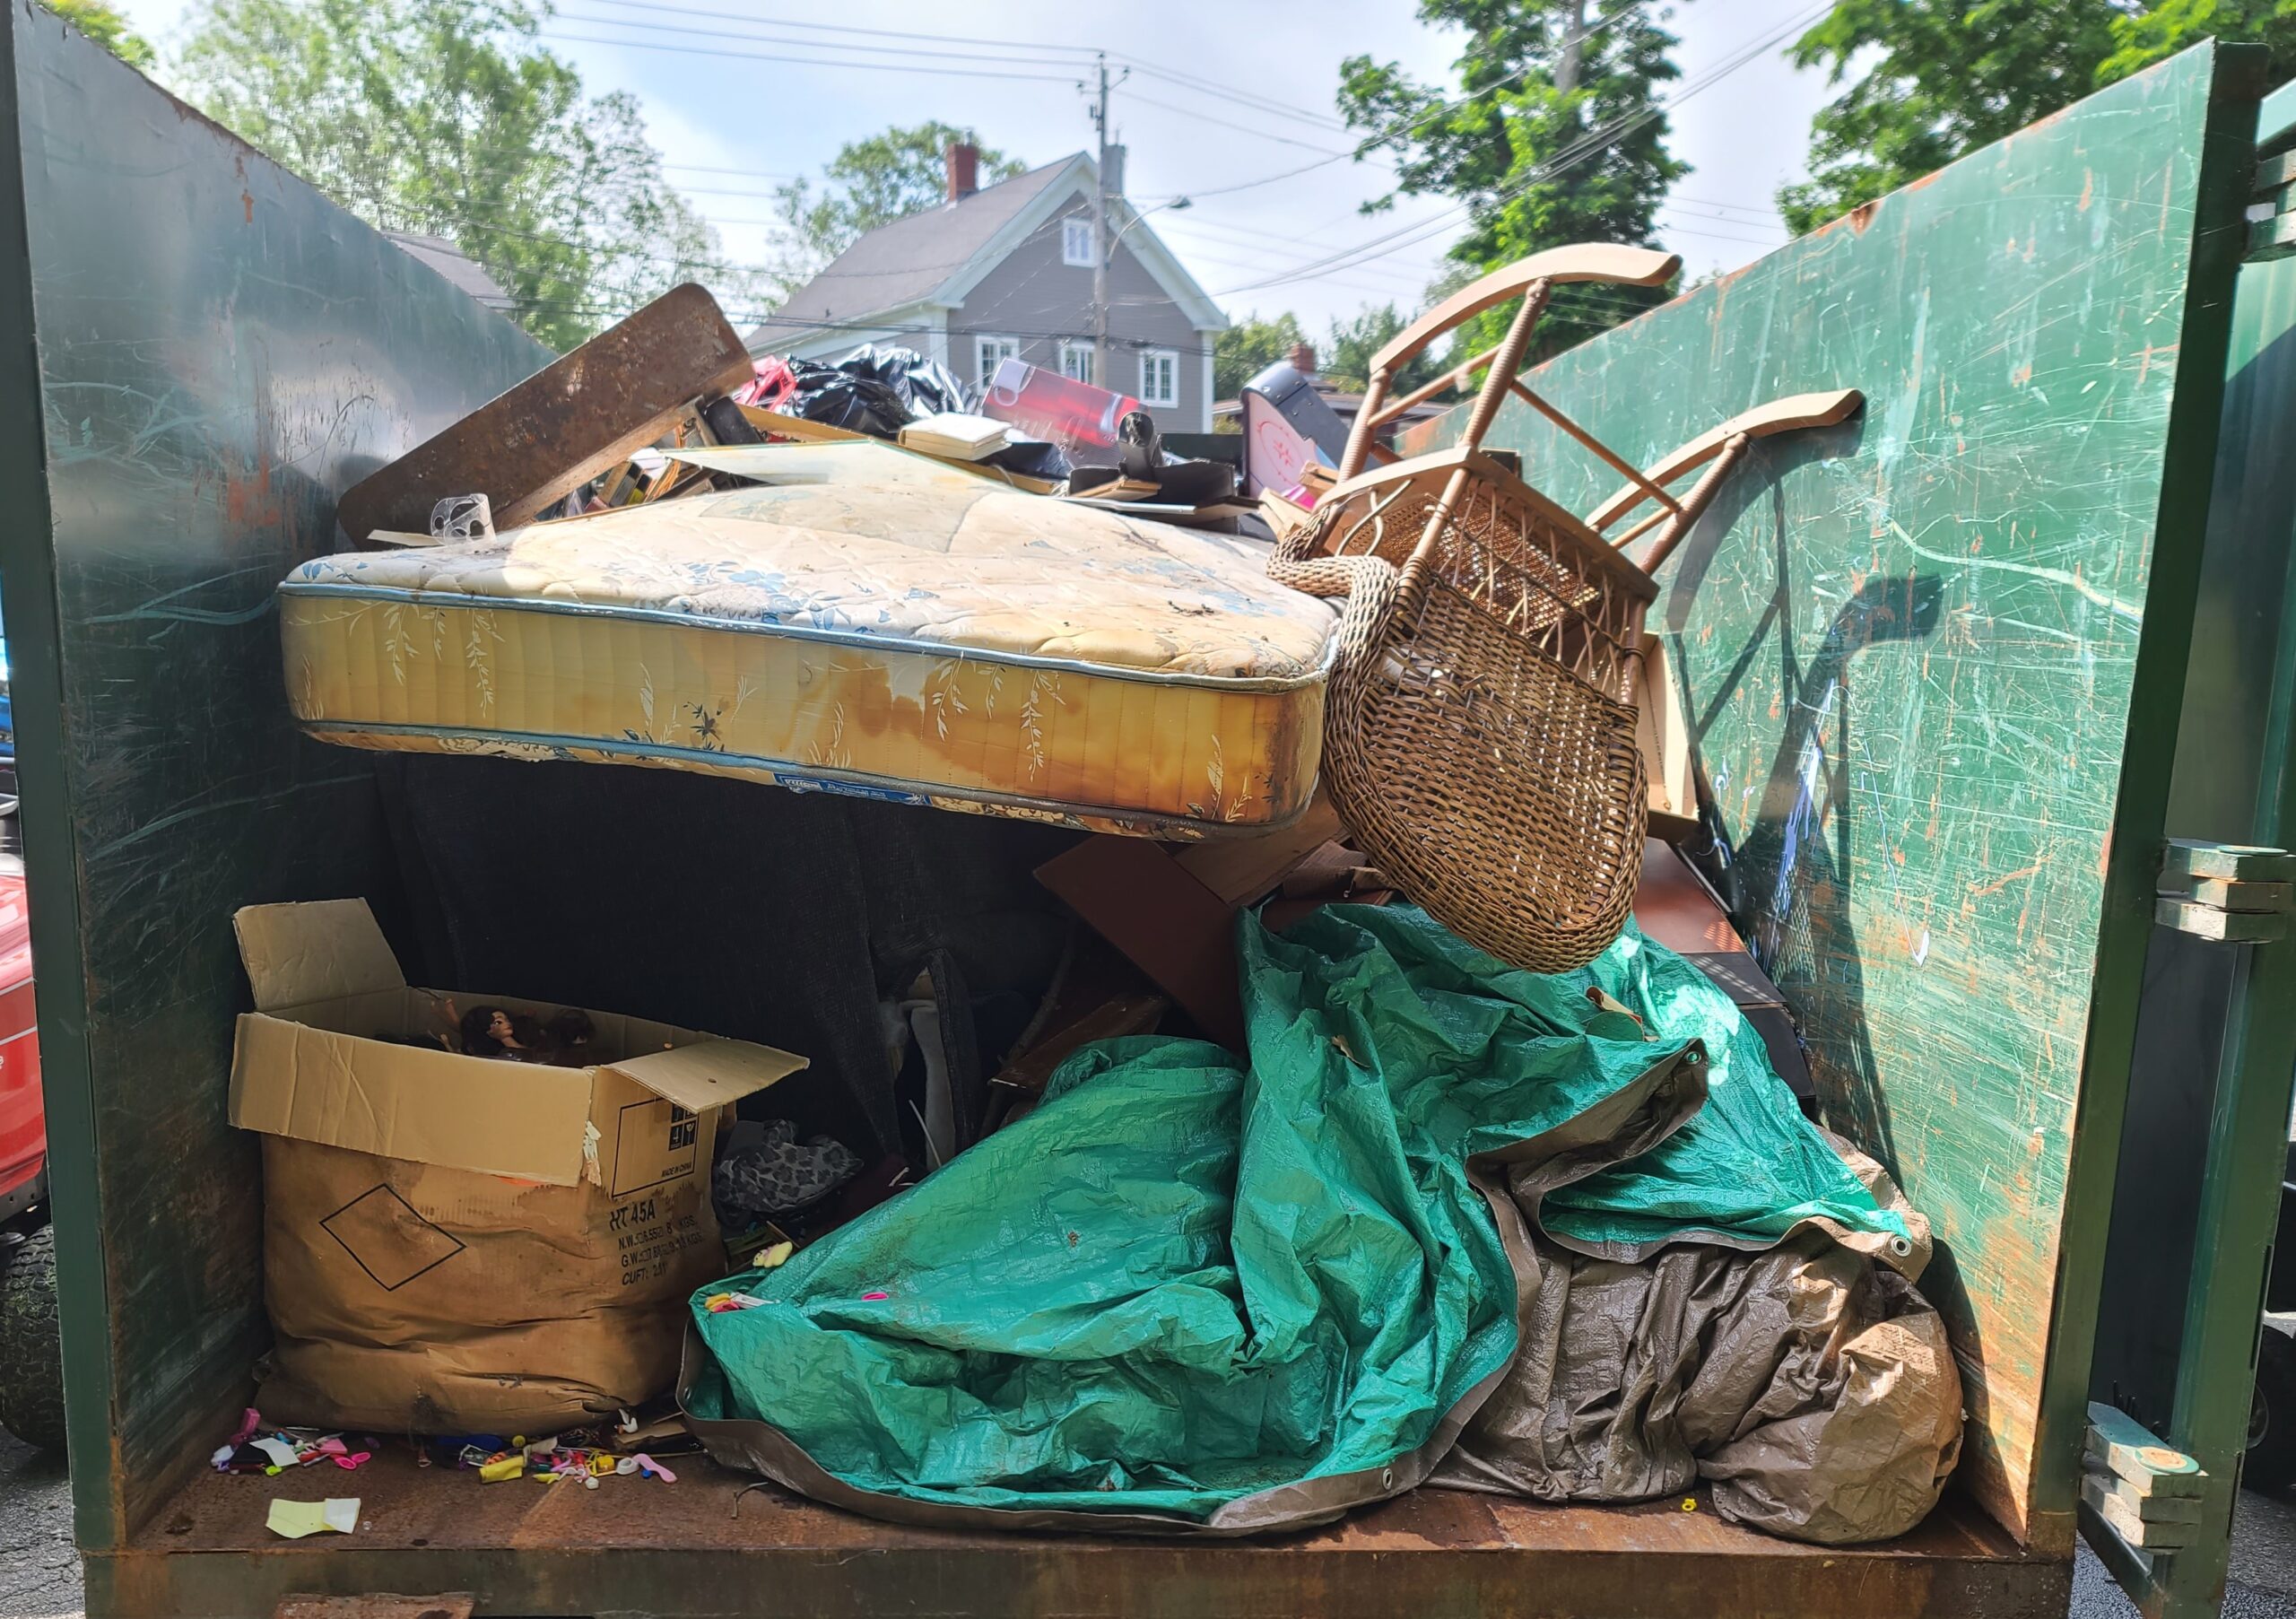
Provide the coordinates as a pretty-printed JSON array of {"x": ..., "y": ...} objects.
[
  {"x": 2271, "y": 239},
  {"x": 2124, "y": 1446},
  {"x": 2151, "y": 1508},
  {"x": 2222, "y": 894},
  {"x": 1871, "y": 612},
  {"x": 2208, "y": 922},
  {"x": 1662, "y": 734},
  {"x": 2185, "y": 861},
  {"x": 2120, "y": 1514},
  {"x": 565, "y": 424},
  {"x": 701, "y": 1547}
]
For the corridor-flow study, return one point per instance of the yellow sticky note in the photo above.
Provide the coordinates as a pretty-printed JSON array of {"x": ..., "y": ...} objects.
[{"x": 293, "y": 1519}]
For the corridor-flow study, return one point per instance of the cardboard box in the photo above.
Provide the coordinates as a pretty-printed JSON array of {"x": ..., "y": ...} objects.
[{"x": 464, "y": 1244}]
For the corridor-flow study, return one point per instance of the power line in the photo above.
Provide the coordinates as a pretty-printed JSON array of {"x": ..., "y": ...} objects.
[
  {"x": 1206, "y": 118},
  {"x": 1156, "y": 69},
  {"x": 1363, "y": 148},
  {"x": 1197, "y": 87},
  {"x": 748, "y": 191},
  {"x": 651, "y": 6},
  {"x": 653, "y": 25},
  {"x": 753, "y": 173},
  {"x": 1253, "y": 184},
  {"x": 756, "y": 56},
  {"x": 1251, "y": 99},
  {"x": 1763, "y": 212},
  {"x": 1297, "y": 239},
  {"x": 1393, "y": 283}
]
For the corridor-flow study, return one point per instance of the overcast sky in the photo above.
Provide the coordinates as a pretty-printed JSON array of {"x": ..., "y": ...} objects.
[{"x": 731, "y": 122}]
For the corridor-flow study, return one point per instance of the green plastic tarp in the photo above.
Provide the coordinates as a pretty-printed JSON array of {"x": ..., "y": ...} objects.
[{"x": 1189, "y": 1293}]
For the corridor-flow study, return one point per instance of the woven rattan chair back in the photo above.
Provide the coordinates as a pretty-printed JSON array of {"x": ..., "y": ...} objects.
[{"x": 1479, "y": 732}]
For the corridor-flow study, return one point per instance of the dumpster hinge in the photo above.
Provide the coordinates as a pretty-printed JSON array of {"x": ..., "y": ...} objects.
[{"x": 2231, "y": 892}]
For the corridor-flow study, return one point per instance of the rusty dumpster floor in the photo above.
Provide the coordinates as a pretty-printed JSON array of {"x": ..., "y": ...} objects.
[{"x": 642, "y": 1545}]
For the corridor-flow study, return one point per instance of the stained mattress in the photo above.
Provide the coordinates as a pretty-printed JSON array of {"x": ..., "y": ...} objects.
[{"x": 937, "y": 641}]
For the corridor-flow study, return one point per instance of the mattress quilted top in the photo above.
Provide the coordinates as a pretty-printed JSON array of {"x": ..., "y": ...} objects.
[{"x": 958, "y": 565}]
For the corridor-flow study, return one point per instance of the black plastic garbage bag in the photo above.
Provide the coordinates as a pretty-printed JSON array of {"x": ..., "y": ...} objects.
[{"x": 875, "y": 390}]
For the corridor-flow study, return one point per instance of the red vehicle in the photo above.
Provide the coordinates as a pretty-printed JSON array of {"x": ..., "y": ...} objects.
[{"x": 32, "y": 1385}]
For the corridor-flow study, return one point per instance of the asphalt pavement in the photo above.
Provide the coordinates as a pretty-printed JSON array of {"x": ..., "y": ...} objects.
[{"x": 39, "y": 1572}]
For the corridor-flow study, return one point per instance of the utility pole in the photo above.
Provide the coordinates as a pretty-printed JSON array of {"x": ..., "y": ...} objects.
[
  {"x": 1574, "y": 46},
  {"x": 1100, "y": 245}
]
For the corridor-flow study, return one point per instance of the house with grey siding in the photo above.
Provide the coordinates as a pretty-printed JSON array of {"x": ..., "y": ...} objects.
[{"x": 1005, "y": 272}]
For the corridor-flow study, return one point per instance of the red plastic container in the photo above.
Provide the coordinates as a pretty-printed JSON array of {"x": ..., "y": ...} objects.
[{"x": 1046, "y": 404}]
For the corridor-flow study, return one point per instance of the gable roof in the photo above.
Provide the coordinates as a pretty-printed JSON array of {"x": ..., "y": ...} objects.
[{"x": 938, "y": 256}]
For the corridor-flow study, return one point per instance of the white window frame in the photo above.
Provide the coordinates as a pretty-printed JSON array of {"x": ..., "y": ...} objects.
[
  {"x": 1076, "y": 363},
  {"x": 989, "y": 351},
  {"x": 1077, "y": 242},
  {"x": 1168, "y": 397}
]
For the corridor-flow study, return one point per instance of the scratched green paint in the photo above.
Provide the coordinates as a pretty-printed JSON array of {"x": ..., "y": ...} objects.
[
  {"x": 205, "y": 350},
  {"x": 1907, "y": 647}
]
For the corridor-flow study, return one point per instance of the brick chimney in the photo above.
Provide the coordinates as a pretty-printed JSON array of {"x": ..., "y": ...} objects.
[
  {"x": 1303, "y": 358},
  {"x": 965, "y": 169}
]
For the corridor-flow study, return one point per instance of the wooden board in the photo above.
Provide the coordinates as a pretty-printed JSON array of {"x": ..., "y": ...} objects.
[
  {"x": 1931, "y": 660},
  {"x": 703, "y": 1547},
  {"x": 1175, "y": 930},
  {"x": 565, "y": 424}
]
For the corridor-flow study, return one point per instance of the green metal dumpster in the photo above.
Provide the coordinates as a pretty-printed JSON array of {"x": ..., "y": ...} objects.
[{"x": 1955, "y": 671}]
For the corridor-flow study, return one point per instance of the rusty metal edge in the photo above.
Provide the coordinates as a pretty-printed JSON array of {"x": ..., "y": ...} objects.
[{"x": 1087, "y": 1580}]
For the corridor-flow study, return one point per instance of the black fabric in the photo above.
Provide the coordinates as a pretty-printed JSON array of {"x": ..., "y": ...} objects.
[{"x": 728, "y": 906}]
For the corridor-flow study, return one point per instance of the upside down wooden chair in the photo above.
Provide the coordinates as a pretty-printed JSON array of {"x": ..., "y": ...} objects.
[{"x": 1479, "y": 731}]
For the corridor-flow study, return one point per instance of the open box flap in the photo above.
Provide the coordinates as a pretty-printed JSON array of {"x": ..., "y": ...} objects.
[
  {"x": 707, "y": 1074},
  {"x": 296, "y": 954},
  {"x": 519, "y": 1119}
]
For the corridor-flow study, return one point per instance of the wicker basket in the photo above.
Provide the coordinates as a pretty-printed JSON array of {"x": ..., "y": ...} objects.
[{"x": 1480, "y": 728}]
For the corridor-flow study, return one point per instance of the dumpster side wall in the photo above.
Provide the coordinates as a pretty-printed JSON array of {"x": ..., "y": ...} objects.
[
  {"x": 1932, "y": 661},
  {"x": 2229, "y": 760},
  {"x": 202, "y": 353}
]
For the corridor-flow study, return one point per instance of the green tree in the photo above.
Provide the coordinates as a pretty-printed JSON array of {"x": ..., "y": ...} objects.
[
  {"x": 108, "y": 29},
  {"x": 867, "y": 184},
  {"x": 447, "y": 117},
  {"x": 2163, "y": 29},
  {"x": 1554, "y": 135},
  {"x": 1347, "y": 356},
  {"x": 1248, "y": 347},
  {"x": 1937, "y": 78}
]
